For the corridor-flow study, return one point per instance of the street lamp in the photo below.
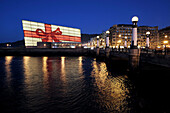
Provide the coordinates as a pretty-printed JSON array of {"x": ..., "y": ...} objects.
[
  {"x": 119, "y": 41},
  {"x": 107, "y": 32},
  {"x": 147, "y": 39},
  {"x": 107, "y": 39},
  {"x": 165, "y": 43},
  {"x": 134, "y": 32},
  {"x": 97, "y": 48},
  {"x": 166, "y": 36},
  {"x": 107, "y": 49},
  {"x": 125, "y": 42},
  {"x": 98, "y": 41}
]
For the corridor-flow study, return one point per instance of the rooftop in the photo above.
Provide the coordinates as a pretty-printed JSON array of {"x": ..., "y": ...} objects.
[{"x": 166, "y": 28}]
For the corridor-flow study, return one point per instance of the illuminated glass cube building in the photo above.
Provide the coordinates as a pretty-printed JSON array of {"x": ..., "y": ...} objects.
[{"x": 44, "y": 35}]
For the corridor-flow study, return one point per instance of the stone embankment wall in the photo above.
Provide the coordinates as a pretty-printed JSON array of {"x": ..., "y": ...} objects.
[{"x": 43, "y": 51}]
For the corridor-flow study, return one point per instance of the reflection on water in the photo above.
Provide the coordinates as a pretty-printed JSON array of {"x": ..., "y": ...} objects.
[
  {"x": 45, "y": 66},
  {"x": 113, "y": 92},
  {"x": 8, "y": 60},
  {"x": 80, "y": 65},
  {"x": 63, "y": 73},
  {"x": 65, "y": 84}
]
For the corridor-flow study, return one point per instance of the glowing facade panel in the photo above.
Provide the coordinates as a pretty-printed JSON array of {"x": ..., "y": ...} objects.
[{"x": 40, "y": 32}]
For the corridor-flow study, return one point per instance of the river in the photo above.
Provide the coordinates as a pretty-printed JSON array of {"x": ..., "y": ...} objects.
[{"x": 80, "y": 85}]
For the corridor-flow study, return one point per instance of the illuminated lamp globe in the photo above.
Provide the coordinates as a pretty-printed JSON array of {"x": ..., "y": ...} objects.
[
  {"x": 148, "y": 33},
  {"x": 107, "y": 32},
  {"x": 97, "y": 37},
  {"x": 135, "y": 19},
  {"x": 125, "y": 37}
]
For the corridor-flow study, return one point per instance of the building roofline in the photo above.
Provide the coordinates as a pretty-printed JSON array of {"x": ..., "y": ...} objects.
[
  {"x": 148, "y": 26},
  {"x": 166, "y": 28},
  {"x": 130, "y": 25},
  {"x": 124, "y": 25}
]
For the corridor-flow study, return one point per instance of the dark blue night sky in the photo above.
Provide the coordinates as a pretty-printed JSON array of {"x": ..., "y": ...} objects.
[{"x": 91, "y": 16}]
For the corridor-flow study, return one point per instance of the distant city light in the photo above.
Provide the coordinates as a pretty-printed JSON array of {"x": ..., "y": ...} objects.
[
  {"x": 7, "y": 45},
  {"x": 92, "y": 48},
  {"x": 165, "y": 42},
  {"x": 72, "y": 46},
  {"x": 119, "y": 41}
]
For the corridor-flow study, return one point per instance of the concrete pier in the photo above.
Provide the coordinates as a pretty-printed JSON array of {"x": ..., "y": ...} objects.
[
  {"x": 107, "y": 52},
  {"x": 97, "y": 51},
  {"x": 134, "y": 58}
]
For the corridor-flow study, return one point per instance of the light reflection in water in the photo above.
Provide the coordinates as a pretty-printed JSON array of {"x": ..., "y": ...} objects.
[
  {"x": 8, "y": 60},
  {"x": 26, "y": 64},
  {"x": 63, "y": 73},
  {"x": 80, "y": 65},
  {"x": 70, "y": 83},
  {"x": 33, "y": 72},
  {"x": 45, "y": 71},
  {"x": 113, "y": 93}
]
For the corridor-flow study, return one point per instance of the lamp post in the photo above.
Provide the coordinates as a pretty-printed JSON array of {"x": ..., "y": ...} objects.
[
  {"x": 91, "y": 43},
  {"x": 119, "y": 41},
  {"x": 98, "y": 41},
  {"x": 125, "y": 46},
  {"x": 134, "y": 52},
  {"x": 107, "y": 50},
  {"x": 117, "y": 44},
  {"x": 107, "y": 39},
  {"x": 125, "y": 42},
  {"x": 134, "y": 32},
  {"x": 97, "y": 48},
  {"x": 165, "y": 43},
  {"x": 147, "y": 39}
]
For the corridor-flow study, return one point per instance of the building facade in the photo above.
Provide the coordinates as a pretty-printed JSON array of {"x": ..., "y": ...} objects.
[
  {"x": 164, "y": 35},
  {"x": 56, "y": 36},
  {"x": 121, "y": 32}
]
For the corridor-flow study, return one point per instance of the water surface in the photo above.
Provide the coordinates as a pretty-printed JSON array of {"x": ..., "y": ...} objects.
[{"x": 75, "y": 85}]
